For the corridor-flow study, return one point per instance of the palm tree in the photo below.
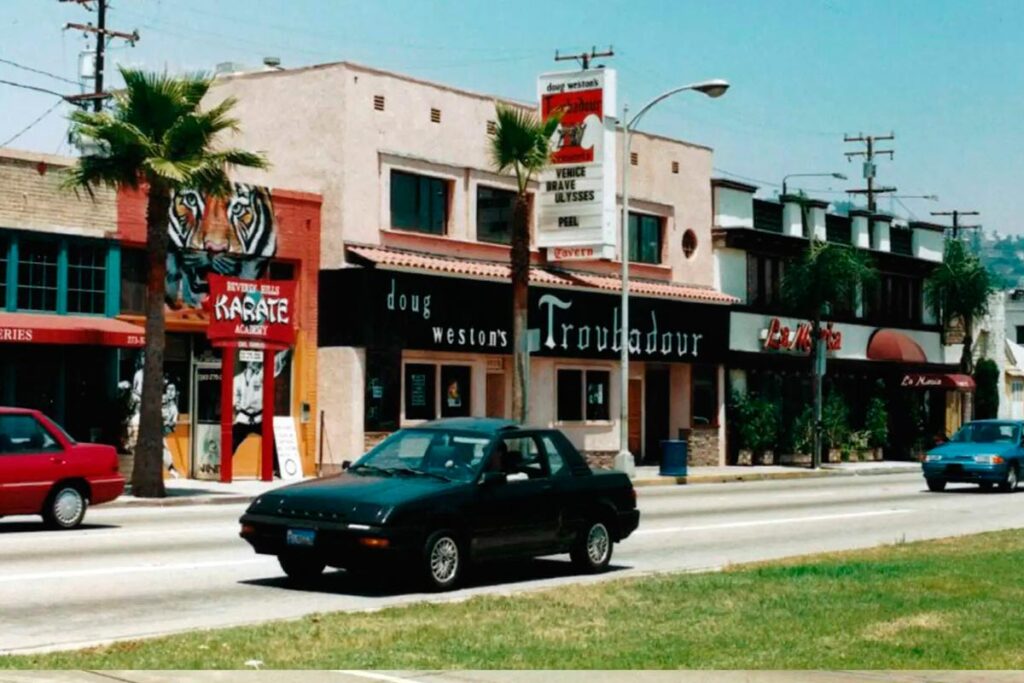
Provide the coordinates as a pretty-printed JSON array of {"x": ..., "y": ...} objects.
[
  {"x": 521, "y": 143},
  {"x": 156, "y": 136},
  {"x": 827, "y": 276},
  {"x": 960, "y": 289}
]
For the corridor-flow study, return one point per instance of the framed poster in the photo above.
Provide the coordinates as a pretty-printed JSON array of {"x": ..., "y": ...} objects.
[
  {"x": 420, "y": 390},
  {"x": 455, "y": 390}
]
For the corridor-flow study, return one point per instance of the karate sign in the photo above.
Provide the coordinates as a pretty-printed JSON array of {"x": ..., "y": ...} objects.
[
  {"x": 577, "y": 190},
  {"x": 253, "y": 314}
]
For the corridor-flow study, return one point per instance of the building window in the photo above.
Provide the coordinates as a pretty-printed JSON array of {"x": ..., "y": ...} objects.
[
  {"x": 764, "y": 280},
  {"x": 689, "y": 243},
  {"x": 704, "y": 385},
  {"x": 421, "y": 391},
  {"x": 644, "y": 238},
  {"x": 767, "y": 216},
  {"x": 134, "y": 269},
  {"x": 1020, "y": 334},
  {"x": 420, "y": 387},
  {"x": 896, "y": 299},
  {"x": 900, "y": 241},
  {"x": 494, "y": 209},
  {"x": 837, "y": 229},
  {"x": 37, "y": 275},
  {"x": 87, "y": 278},
  {"x": 5, "y": 245},
  {"x": 419, "y": 203},
  {"x": 583, "y": 394}
]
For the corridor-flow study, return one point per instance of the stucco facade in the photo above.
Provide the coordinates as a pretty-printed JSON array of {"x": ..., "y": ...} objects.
[{"x": 346, "y": 127}]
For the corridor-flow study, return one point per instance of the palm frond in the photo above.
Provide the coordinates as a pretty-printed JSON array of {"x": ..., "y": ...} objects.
[
  {"x": 521, "y": 142},
  {"x": 827, "y": 273}
]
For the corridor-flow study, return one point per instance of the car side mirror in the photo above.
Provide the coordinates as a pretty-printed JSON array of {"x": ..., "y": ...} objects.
[
  {"x": 493, "y": 478},
  {"x": 345, "y": 464}
]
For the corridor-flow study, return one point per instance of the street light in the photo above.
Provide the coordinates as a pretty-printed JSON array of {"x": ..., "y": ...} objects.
[
  {"x": 713, "y": 88},
  {"x": 840, "y": 176}
]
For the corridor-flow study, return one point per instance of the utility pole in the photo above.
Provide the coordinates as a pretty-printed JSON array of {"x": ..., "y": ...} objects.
[
  {"x": 585, "y": 57},
  {"x": 869, "y": 154},
  {"x": 956, "y": 220},
  {"x": 101, "y": 32}
]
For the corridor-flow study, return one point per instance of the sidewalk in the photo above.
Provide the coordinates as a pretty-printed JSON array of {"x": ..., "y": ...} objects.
[{"x": 197, "y": 492}]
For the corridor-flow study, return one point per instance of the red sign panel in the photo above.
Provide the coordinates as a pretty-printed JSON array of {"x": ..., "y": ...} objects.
[
  {"x": 781, "y": 337},
  {"x": 576, "y": 106},
  {"x": 255, "y": 314}
]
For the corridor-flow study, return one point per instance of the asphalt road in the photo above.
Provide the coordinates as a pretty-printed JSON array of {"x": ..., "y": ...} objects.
[{"x": 189, "y": 569}]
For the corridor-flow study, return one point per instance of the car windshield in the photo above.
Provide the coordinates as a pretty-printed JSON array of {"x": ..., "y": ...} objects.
[
  {"x": 451, "y": 455},
  {"x": 987, "y": 432}
]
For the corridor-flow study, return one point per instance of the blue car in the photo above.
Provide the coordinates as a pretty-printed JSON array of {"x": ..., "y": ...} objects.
[{"x": 984, "y": 452}]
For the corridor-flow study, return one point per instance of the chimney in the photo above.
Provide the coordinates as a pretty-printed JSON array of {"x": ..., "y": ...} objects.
[{"x": 860, "y": 228}]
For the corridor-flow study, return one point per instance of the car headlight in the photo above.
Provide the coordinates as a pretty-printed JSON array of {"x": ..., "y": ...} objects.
[
  {"x": 932, "y": 457},
  {"x": 989, "y": 459}
]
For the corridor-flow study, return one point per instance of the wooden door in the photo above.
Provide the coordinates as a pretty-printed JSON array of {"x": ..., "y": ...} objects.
[
  {"x": 636, "y": 411},
  {"x": 495, "y": 394}
]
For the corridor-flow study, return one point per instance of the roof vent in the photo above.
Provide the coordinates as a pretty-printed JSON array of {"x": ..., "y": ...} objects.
[
  {"x": 492, "y": 128},
  {"x": 435, "y": 115},
  {"x": 378, "y": 102}
]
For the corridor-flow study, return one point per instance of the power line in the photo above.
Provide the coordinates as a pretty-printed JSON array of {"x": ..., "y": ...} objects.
[
  {"x": 37, "y": 71},
  {"x": 869, "y": 153},
  {"x": 747, "y": 178},
  {"x": 31, "y": 125},
  {"x": 32, "y": 87}
]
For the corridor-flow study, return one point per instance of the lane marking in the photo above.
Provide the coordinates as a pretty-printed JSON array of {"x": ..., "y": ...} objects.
[
  {"x": 130, "y": 569},
  {"x": 89, "y": 534},
  {"x": 769, "y": 522},
  {"x": 373, "y": 676}
]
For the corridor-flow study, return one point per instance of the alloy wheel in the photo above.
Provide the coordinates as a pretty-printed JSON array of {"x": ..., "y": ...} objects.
[
  {"x": 444, "y": 559},
  {"x": 598, "y": 543}
]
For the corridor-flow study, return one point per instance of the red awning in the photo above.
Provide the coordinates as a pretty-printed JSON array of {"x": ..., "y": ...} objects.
[
  {"x": 49, "y": 328},
  {"x": 937, "y": 381},
  {"x": 895, "y": 346}
]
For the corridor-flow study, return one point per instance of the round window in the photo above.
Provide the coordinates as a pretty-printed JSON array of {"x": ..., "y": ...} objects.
[{"x": 689, "y": 243}]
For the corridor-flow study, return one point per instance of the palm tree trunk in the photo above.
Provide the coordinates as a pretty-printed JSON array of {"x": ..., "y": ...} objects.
[
  {"x": 520, "y": 292},
  {"x": 147, "y": 477},
  {"x": 816, "y": 392},
  {"x": 967, "y": 368}
]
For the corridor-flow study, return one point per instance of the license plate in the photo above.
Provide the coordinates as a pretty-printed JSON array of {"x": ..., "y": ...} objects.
[{"x": 300, "y": 537}]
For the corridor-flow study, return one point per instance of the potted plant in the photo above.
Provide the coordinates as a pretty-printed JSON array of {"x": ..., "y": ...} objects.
[
  {"x": 757, "y": 426},
  {"x": 876, "y": 424},
  {"x": 835, "y": 425}
]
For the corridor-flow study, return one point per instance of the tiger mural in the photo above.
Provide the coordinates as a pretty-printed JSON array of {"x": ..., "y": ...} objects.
[{"x": 236, "y": 236}]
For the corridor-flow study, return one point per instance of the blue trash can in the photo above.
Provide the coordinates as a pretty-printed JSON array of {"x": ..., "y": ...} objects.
[{"x": 673, "y": 458}]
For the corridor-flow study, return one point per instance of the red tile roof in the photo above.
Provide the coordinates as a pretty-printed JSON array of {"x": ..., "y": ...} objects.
[{"x": 540, "y": 275}]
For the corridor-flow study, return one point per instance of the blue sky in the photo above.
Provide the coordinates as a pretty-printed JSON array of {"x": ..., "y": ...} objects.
[{"x": 945, "y": 76}]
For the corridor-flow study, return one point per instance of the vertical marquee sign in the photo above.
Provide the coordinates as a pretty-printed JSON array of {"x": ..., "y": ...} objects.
[
  {"x": 249, "y": 314},
  {"x": 577, "y": 190}
]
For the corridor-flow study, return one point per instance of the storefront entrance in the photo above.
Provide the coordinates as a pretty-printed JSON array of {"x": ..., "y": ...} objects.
[
  {"x": 656, "y": 412},
  {"x": 206, "y": 379}
]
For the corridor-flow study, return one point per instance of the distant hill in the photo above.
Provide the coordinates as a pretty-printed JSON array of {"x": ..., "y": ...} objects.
[{"x": 1003, "y": 255}]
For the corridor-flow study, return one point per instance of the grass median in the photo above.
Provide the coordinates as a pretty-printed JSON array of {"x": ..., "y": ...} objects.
[{"x": 949, "y": 604}]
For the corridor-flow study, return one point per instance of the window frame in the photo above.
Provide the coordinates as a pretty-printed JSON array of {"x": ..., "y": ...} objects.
[
  {"x": 56, "y": 447},
  {"x": 98, "y": 297},
  {"x": 497, "y": 189},
  {"x": 446, "y": 185},
  {"x": 635, "y": 241},
  {"x": 26, "y": 269},
  {"x": 440, "y": 370},
  {"x": 584, "y": 385},
  {"x": 715, "y": 388}
]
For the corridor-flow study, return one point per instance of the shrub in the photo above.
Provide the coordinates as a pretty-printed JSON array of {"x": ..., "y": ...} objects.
[
  {"x": 835, "y": 420},
  {"x": 986, "y": 400},
  {"x": 757, "y": 423},
  {"x": 803, "y": 431},
  {"x": 876, "y": 423}
]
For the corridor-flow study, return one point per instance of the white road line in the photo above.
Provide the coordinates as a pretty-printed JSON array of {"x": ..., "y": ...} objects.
[
  {"x": 769, "y": 522},
  {"x": 373, "y": 676},
  {"x": 130, "y": 569},
  {"x": 87, "y": 535}
]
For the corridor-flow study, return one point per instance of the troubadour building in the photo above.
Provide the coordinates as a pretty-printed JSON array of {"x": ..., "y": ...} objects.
[{"x": 415, "y": 301}]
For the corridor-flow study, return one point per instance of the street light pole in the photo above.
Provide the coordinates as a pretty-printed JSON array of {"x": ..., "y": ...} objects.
[
  {"x": 624, "y": 461},
  {"x": 840, "y": 176}
]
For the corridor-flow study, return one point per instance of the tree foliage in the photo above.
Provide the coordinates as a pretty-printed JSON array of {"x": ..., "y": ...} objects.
[
  {"x": 986, "y": 379},
  {"x": 959, "y": 288},
  {"x": 156, "y": 136},
  {"x": 826, "y": 273},
  {"x": 757, "y": 423}
]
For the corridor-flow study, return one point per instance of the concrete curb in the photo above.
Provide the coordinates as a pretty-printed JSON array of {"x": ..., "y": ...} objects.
[
  {"x": 769, "y": 476},
  {"x": 178, "y": 501}
]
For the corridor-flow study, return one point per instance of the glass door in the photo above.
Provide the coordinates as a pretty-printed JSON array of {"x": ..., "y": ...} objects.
[{"x": 206, "y": 380}]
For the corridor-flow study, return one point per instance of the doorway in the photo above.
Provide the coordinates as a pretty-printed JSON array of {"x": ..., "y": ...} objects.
[
  {"x": 636, "y": 411},
  {"x": 495, "y": 394},
  {"x": 656, "y": 412},
  {"x": 206, "y": 379}
]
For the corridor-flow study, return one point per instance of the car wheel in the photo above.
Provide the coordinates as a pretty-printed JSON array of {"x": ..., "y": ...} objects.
[
  {"x": 65, "y": 507},
  {"x": 1010, "y": 483},
  {"x": 442, "y": 561},
  {"x": 936, "y": 484},
  {"x": 301, "y": 567},
  {"x": 592, "y": 550}
]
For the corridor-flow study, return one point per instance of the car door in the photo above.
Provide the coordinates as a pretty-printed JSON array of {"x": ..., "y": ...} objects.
[
  {"x": 31, "y": 461},
  {"x": 516, "y": 517}
]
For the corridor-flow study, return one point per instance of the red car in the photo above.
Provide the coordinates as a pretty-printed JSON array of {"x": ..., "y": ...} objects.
[{"x": 43, "y": 471}]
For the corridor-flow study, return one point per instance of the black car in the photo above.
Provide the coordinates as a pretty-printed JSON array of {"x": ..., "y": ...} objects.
[{"x": 439, "y": 496}]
